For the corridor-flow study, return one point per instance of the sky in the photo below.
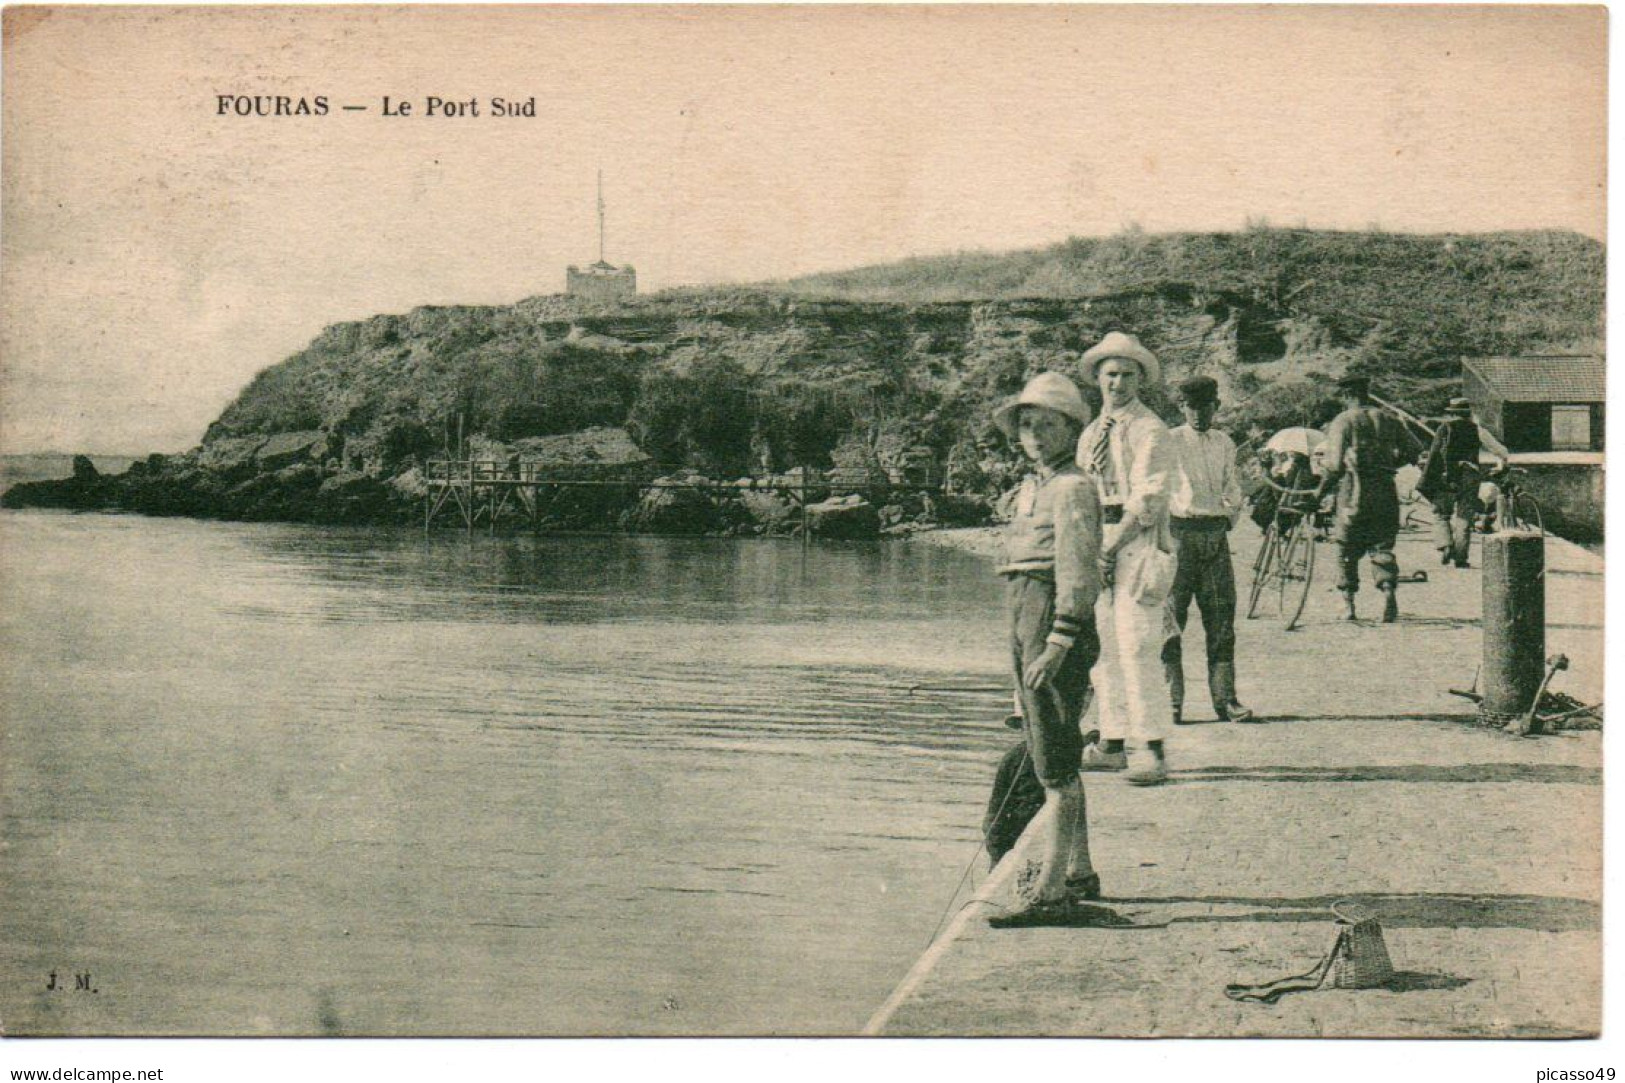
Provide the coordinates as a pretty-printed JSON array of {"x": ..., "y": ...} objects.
[{"x": 155, "y": 255}]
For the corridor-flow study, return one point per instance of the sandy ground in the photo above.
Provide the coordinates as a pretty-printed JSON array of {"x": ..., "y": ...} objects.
[{"x": 1479, "y": 852}]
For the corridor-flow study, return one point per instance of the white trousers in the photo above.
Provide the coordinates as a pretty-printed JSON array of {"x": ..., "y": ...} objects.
[{"x": 1130, "y": 684}]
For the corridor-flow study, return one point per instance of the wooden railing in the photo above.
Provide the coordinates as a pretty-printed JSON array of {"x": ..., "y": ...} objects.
[{"x": 442, "y": 472}]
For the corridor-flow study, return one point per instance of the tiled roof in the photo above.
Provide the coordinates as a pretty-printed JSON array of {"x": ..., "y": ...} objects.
[{"x": 1551, "y": 378}]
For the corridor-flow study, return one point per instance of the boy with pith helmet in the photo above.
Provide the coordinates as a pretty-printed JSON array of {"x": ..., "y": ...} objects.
[{"x": 1052, "y": 547}]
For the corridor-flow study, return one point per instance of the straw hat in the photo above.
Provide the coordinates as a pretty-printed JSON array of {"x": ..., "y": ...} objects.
[
  {"x": 1117, "y": 344},
  {"x": 1460, "y": 407},
  {"x": 1047, "y": 389}
]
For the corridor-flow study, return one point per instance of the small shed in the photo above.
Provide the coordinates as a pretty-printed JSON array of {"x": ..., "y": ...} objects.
[{"x": 1539, "y": 403}]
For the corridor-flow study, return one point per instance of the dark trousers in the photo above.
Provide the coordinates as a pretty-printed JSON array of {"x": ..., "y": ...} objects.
[
  {"x": 1454, "y": 513},
  {"x": 1367, "y": 521},
  {"x": 1205, "y": 575},
  {"x": 1051, "y": 715},
  {"x": 1384, "y": 566}
]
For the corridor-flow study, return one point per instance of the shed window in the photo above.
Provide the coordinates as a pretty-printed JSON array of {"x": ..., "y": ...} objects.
[{"x": 1571, "y": 428}]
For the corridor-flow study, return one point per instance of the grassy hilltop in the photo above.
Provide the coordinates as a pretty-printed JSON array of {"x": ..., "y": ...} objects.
[
  {"x": 1390, "y": 301},
  {"x": 874, "y": 363}
]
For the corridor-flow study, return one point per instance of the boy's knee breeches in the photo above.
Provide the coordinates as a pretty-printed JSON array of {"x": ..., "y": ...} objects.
[{"x": 1052, "y": 714}]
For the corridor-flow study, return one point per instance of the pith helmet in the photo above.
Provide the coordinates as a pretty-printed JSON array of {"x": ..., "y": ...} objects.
[
  {"x": 1047, "y": 389},
  {"x": 1117, "y": 344}
]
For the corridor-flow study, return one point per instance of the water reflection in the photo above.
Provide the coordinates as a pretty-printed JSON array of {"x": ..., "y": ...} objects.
[
  {"x": 612, "y": 577},
  {"x": 364, "y": 781}
]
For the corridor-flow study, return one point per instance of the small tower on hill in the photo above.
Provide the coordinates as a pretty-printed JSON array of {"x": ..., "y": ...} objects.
[{"x": 603, "y": 280}]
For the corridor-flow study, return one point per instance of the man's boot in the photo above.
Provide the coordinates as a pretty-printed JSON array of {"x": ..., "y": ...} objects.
[
  {"x": 1221, "y": 681},
  {"x": 1390, "y": 605},
  {"x": 1348, "y": 605},
  {"x": 1173, "y": 669}
]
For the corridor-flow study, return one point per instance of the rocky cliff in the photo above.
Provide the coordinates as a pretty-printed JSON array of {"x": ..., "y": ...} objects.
[{"x": 873, "y": 368}]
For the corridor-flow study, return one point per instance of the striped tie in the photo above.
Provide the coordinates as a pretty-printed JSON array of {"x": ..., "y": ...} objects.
[{"x": 1100, "y": 454}]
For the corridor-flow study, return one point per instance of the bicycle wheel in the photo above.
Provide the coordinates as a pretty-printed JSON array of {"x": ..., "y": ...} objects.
[
  {"x": 1525, "y": 513},
  {"x": 1263, "y": 568},
  {"x": 1297, "y": 595},
  {"x": 1288, "y": 555}
]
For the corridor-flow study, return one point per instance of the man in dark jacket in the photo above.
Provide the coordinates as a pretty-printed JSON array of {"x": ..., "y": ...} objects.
[{"x": 1450, "y": 482}]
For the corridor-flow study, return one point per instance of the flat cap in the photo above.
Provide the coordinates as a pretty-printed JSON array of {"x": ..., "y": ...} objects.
[{"x": 1199, "y": 390}]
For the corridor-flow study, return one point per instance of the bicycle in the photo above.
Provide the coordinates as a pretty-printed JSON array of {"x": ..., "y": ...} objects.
[
  {"x": 1285, "y": 565},
  {"x": 1511, "y": 508}
]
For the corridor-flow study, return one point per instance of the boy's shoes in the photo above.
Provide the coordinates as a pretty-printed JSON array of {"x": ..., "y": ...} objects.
[
  {"x": 1390, "y": 607},
  {"x": 1096, "y": 758},
  {"x": 1051, "y": 912},
  {"x": 1179, "y": 717},
  {"x": 1086, "y": 888},
  {"x": 1146, "y": 768},
  {"x": 1444, "y": 556},
  {"x": 1348, "y": 606},
  {"x": 1027, "y": 878},
  {"x": 1462, "y": 563},
  {"x": 1238, "y": 713}
]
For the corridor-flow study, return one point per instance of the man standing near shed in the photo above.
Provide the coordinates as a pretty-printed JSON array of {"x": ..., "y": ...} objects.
[
  {"x": 1205, "y": 502},
  {"x": 1450, "y": 482},
  {"x": 1364, "y": 446}
]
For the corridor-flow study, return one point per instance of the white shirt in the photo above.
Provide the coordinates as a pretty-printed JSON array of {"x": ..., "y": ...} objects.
[
  {"x": 1140, "y": 463},
  {"x": 1207, "y": 483}
]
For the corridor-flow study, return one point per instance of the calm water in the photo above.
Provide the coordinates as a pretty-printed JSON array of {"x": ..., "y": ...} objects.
[{"x": 276, "y": 779}]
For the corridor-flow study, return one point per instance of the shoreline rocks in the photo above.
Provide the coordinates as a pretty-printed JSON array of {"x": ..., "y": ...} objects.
[{"x": 283, "y": 480}]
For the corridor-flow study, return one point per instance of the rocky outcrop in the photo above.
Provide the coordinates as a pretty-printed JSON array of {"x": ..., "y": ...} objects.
[
  {"x": 288, "y": 448},
  {"x": 678, "y": 504},
  {"x": 845, "y": 517},
  {"x": 770, "y": 512},
  {"x": 602, "y": 453},
  {"x": 884, "y": 374}
]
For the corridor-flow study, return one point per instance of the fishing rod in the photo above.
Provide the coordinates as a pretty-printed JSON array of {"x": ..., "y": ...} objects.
[{"x": 1404, "y": 415}]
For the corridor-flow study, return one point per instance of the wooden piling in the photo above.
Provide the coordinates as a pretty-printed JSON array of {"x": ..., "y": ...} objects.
[{"x": 1514, "y": 621}]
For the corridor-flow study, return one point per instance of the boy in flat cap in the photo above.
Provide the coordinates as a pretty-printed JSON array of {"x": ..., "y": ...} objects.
[
  {"x": 1364, "y": 446},
  {"x": 1205, "y": 502},
  {"x": 1052, "y": 550}
]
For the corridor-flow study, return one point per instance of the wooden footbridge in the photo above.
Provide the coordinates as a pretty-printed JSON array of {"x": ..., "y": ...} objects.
[{"x": 484, "y": 490}]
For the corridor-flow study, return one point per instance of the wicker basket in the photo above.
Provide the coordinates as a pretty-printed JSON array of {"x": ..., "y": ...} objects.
[{"x": 1360, "y": 955}]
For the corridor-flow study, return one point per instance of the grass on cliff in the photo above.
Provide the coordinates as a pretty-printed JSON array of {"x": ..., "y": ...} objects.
[{"x": 1423, "y": 297}]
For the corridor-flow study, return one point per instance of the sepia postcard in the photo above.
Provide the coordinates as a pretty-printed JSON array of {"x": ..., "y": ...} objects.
[{"x": 929, "y": 520}]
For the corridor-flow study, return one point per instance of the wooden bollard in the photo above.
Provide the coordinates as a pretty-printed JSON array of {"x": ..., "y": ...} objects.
[{"x": 1514, "y": 622}]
